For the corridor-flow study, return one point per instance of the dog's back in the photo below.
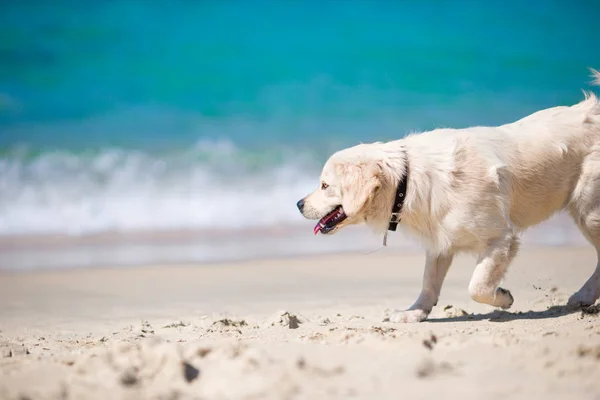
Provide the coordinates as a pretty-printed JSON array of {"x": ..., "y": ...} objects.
[
  {"x": 546, "y": 155},
  {"x": 543, "y": 160}
]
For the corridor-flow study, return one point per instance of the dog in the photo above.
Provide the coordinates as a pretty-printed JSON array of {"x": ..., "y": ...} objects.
[{"x": 472, "y": 190}]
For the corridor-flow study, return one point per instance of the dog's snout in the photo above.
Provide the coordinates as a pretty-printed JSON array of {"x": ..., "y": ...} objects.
[{"x": 300, "y": 204}]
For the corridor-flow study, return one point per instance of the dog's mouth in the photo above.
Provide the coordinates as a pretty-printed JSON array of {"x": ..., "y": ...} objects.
[{"x": 328, "y": 223}]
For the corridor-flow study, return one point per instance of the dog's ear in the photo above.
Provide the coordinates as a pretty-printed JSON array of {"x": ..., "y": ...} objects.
[{"x": 360, "y": 183}]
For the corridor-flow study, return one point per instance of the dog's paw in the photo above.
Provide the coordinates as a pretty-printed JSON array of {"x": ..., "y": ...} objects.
[
  {"x": 408, "y": 316},
  {"x": 504, "y": 298},
  {"x": 582, "y": 298}
]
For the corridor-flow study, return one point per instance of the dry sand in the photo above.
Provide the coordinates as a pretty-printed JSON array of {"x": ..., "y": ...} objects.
[{"x": 304, "y": 328}]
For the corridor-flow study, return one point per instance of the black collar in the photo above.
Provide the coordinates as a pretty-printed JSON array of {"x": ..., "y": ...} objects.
[{"x": 398, "y": 202}]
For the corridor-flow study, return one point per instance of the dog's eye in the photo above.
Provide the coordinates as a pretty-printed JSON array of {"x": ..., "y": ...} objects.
[{"x": 324, "y": 186}]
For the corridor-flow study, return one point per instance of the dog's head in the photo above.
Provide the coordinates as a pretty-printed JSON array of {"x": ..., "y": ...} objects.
[{"x": 354, "y": 188}]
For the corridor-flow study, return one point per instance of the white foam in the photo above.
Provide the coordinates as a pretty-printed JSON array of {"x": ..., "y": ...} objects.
[{"x": 115, "y": 190}]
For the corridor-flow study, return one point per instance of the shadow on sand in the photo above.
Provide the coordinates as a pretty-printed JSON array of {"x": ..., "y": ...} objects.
[{"x": 505, "y": 316}]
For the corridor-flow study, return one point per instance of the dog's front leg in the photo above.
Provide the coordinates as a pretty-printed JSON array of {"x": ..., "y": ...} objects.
[
  {"x": 489, "y": 272},
  {"x": 436, "y": 267}
]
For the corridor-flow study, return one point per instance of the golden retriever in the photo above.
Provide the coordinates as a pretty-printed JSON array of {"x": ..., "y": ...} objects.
[{"x": 471, "y": 190}]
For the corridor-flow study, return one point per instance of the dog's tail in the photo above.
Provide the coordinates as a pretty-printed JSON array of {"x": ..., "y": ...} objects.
[
  {"x": 596, "y": 76},
  {"x": 591, "y": 104}
]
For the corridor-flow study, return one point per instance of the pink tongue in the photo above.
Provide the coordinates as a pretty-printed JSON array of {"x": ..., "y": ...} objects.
[
  {"x": 324, "y": 220},
  {"x": 317, "y": 227}
]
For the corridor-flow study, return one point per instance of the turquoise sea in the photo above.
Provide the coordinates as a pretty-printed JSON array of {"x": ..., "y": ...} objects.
[{"x": 130, "y": 115}]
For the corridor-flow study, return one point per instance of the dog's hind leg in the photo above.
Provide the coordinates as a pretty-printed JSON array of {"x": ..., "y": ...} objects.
[
  {"x": 436, "y": 267},
  {"x": 585, "y": 210},
  {"x": 590, "y": 291},
  {"x": 489, "y": 272}
]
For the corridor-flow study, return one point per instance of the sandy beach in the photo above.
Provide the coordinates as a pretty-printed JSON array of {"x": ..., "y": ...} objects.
[
  {"x": 298, "y": 328},
  {"x": 159, "y": 239}
]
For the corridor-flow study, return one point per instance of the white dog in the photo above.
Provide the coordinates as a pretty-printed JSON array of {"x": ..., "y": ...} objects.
[{"x": 471, "y": 190}]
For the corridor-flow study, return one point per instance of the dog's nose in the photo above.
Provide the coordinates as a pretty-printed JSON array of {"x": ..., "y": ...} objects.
[{"x": 300, "y": 205}]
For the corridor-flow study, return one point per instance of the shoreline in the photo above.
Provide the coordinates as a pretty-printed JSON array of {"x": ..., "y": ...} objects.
[
  {"x": 134, "y": 249},
  {"x": 400, "y": 251}
]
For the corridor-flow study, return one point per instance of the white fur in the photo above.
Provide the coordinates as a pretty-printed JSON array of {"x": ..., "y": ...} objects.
[{"x": 475, "y": 190}]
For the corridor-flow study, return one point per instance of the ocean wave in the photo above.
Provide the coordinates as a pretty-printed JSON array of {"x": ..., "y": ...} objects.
[{"x": 211, "y": 185}]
